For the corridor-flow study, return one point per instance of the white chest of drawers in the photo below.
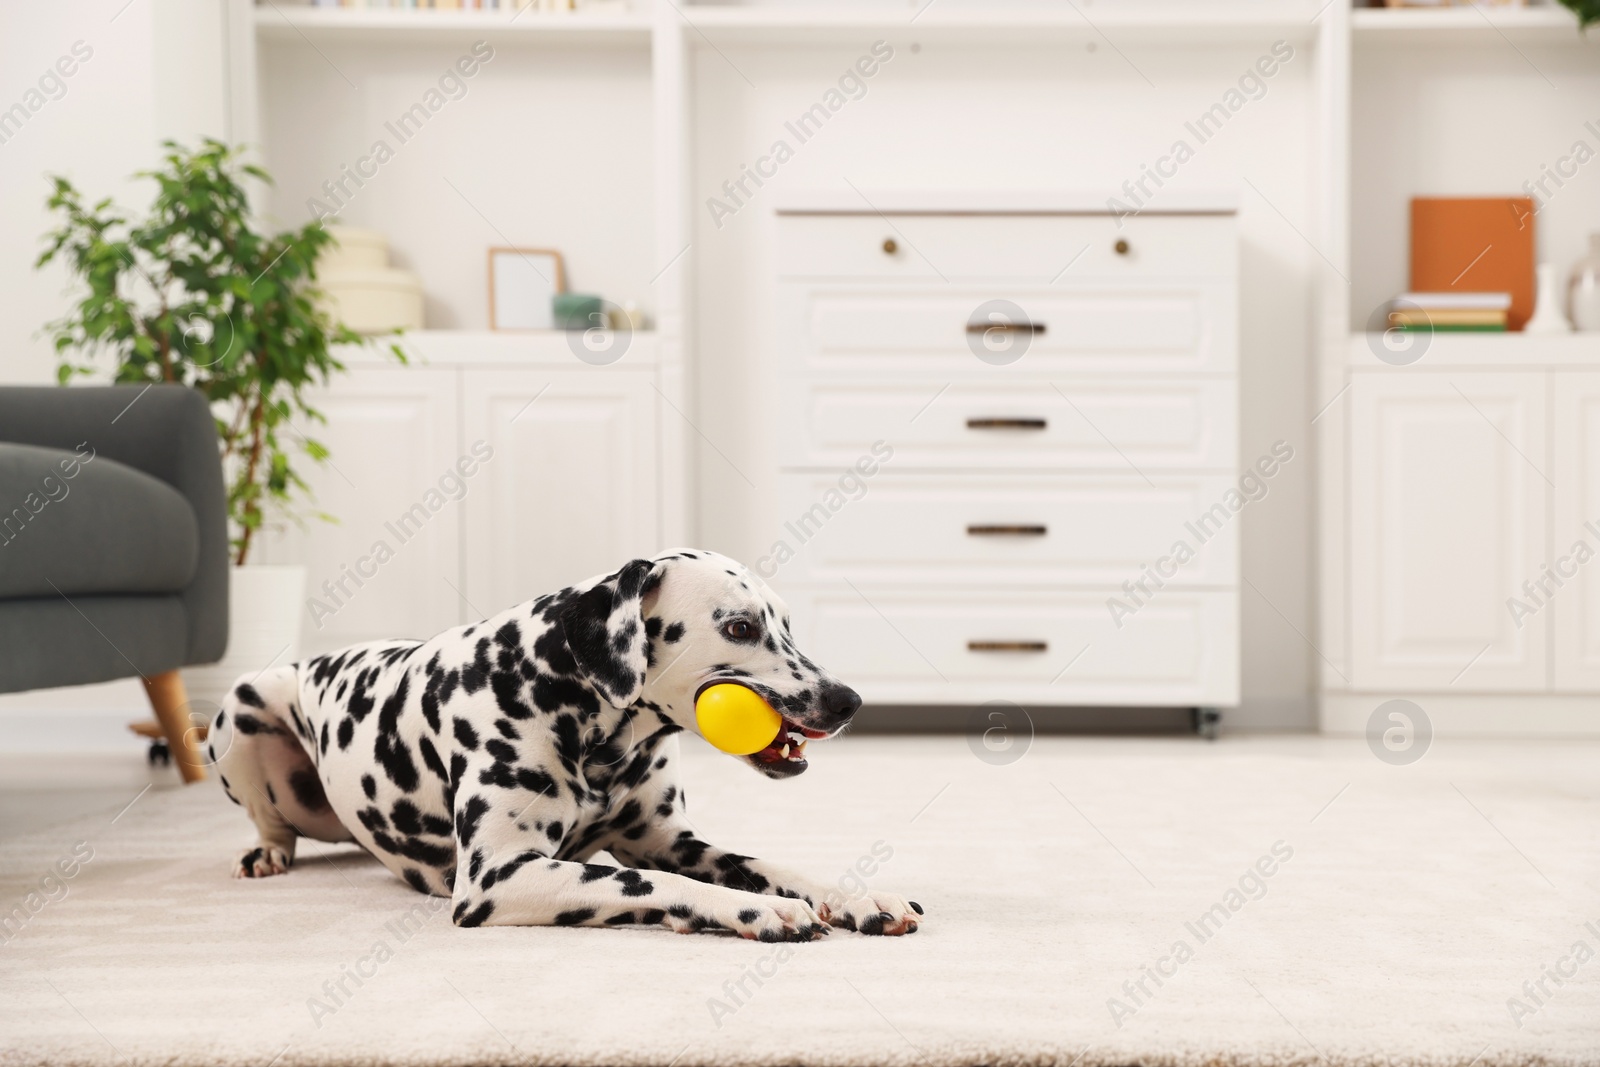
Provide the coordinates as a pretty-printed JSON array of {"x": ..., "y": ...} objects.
[{"x": 1041, "y": 466}]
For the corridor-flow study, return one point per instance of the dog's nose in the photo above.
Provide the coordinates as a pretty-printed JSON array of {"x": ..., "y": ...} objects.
[{"x": 840, "y": 701}]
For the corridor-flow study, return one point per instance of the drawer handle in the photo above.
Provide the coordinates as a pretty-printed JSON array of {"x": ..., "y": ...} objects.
[
  {"x": 1121, "y": 247},
  {"x": 1008, "y": 646},
  {"x": 890, "y": 247},
  {"x": 1035, "y": 328},
  {"x": 1006, "y": 424},
  {"x": 1007, "y": 531}
]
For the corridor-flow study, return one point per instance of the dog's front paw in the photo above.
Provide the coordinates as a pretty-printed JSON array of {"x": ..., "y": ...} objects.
[
  {"x": 261, "y": 862},
  {"x": 763, "y": 918},
  {"x": 874, "y": 913}
]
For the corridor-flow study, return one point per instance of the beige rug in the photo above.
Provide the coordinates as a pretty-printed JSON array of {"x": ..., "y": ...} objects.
[{"x": 1425, "y": 914}]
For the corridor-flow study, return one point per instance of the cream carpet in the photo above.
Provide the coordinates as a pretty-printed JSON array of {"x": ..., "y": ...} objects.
[{"x": 1408, "y": 914}]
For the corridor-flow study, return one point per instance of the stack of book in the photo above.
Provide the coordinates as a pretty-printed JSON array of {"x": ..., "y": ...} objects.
[{"x": 1484, "y": 312}]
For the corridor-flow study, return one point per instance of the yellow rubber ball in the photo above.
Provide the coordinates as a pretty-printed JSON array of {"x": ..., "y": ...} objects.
[{"x": 736, "y": 720}]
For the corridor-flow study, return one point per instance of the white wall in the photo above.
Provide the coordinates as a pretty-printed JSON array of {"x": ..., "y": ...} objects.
[{"x": 964, "y": 117}]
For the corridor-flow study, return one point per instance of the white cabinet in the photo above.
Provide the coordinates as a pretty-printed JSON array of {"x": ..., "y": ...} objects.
[
  {"x": 491, "y": 470},
  {"x": 1568, "y": 592},
  {"x": 1448, "y": 493},
  {"x": 571, "y": 490},
  {"x": 383, "y": 567}
]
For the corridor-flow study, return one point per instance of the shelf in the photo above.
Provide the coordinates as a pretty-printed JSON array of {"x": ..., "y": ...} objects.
[
  {"x": 365, "y": 26},
  {"x": 546, "y": 348},
  {"x": 1155, "y": 22},
  {"x": 1500, "y": 351},
  {"x": 988, "y": 202},
  {"x": 1470, "y": 25}
]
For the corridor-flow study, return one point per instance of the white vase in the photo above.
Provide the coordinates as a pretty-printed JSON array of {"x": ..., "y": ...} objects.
[
  {"x": 264, "y": 608},
  {"x": 1547, "y": 316},
  {"x": 1584, "y": 289}
]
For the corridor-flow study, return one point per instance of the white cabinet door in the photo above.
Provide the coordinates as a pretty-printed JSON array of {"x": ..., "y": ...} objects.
[
  {"x": 385, "y": 567},
  {"x": 1569, "y": 593},
  {"x": 1448, "y": 488},
  {"x": 572, "y": 488}
]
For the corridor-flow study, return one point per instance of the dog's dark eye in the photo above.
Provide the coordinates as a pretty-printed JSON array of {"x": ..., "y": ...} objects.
[{"x": 739, "y": 630}]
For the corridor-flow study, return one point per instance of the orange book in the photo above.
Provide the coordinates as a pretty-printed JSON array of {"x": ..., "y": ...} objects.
[{"x": 1475, "y": 245}]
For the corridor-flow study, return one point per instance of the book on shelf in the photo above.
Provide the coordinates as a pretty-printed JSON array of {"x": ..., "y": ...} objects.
[
  {"x": 1484, "y": 312},
  {"x": 1458, "y": 301}
]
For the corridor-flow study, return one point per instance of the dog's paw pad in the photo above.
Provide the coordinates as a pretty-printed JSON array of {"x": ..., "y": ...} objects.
[{"x": 262, "y": 862}]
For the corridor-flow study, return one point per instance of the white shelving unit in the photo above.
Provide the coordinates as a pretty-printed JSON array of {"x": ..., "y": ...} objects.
[
  {"x": 1441, "y": 477},
  {"x": 1192, "y": 23},
  {"x": 318, "y": 25},
  {"x": 1420, "y": 26},
  {"x": 625, "y": 119}
]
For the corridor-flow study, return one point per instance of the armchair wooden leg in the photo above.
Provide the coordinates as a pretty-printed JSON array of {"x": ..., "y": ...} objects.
[{"x": 171, "y": 705}]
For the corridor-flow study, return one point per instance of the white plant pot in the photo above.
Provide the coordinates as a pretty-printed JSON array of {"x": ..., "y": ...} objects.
[{"x": 264, "y": 607}]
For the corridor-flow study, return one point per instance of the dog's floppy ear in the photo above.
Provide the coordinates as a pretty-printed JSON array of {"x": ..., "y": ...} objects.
[{"x": 604, "y": 627}]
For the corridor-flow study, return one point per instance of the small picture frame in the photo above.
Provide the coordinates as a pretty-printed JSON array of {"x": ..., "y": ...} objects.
[{"x": 522, "y": 282}]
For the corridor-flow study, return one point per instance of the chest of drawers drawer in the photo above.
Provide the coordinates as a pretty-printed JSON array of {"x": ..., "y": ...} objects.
[
  {"x": 901, "y": 645},
  {"x": 1080, "y": 424},
  {"x": 1041, "y": 248},
  {"x": 1013, "y": 331},
  {"x": 1009, "y": 529}
]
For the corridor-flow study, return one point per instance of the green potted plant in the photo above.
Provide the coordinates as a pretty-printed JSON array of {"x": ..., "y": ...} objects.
[{"x": 193, "y": 292}]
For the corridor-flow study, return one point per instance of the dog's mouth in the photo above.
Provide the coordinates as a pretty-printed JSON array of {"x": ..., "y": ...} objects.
[{"x": 786, "y": 756}]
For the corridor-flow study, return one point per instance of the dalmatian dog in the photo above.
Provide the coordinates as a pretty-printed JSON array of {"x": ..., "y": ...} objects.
[{"x": 491, "y": 763}]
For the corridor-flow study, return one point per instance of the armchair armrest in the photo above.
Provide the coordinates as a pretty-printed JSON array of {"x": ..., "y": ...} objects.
[{"x": 168, "y": 432}]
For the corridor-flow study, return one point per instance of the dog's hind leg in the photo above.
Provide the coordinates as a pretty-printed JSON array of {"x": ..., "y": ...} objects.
[{"x": 255, "y": 743}]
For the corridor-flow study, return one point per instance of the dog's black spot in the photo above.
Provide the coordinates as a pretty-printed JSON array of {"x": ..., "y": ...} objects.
[
  {"x": 431, "y": 760},
  {"x": 415, "y": 880},
  {"x": 369, "y": 786},
  {"x": 247, "y": 695},
  {"x": 633, "y": 883},
  {"x": 347, "y": 731},
  {"x": 536, "y": 781},
  {"x": 554, "y": 831},
  {"x": 249, "y": 724},
  {"x": 653, "y": 917},
  {"x": 508, "y": 694},
  {"x": 467, "y": 820},
  {"x": 621, "y": 918},
  {"x": 673, "y": 633},
  {"x": 477, "y": 916},
  {"x": 574, "y": 917},
  {"x": 405, "y": 817},
  {"x": 466, "y": 736},
  {"x": 308, "y": 790}
]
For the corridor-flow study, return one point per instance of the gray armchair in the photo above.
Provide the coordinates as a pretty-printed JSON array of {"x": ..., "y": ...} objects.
[{"x": 113, "y": 543}]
